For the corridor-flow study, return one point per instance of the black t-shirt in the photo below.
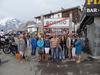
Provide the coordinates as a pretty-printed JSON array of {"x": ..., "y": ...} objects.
[
  {"x": 47, "y": 43},
  {"x": 73, "y": 42}
]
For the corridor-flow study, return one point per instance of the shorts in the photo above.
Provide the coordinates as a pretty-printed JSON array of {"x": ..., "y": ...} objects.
[
  {"x": 47, "y": 50},
  {"x": 73, "y": 51},
  {"x": 40, "y": 50},
  {"x": 27, "y": 52}
]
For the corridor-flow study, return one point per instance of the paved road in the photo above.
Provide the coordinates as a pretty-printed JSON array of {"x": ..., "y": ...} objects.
[{"x": 11, "y": 66}]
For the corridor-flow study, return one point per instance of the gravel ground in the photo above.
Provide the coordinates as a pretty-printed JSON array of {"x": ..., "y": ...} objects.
[{"x": 10, "y": 66}]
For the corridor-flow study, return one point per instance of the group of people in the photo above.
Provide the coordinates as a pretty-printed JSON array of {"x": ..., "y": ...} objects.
[{"x": 55, "y": 48}]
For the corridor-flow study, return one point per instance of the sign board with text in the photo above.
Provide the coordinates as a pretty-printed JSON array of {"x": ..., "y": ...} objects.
[
  {"x": 56, "y": 23},
  {"x": 92, "y": 7}
]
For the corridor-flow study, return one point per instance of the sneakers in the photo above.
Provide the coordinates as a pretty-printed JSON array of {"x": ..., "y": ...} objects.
[
  {"x": 78, "y": 61},
  {"x": 58, "y": 66}
]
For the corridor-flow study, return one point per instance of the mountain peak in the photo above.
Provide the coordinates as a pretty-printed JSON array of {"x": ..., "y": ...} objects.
[
  {"x": 9, "y": 23},
  {"x": 4, "y": 20}
]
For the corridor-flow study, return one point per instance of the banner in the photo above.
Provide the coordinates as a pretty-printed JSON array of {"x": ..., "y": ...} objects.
[
  {"x": 92, "y": 7},
  {"x": 57, "y": 23}
]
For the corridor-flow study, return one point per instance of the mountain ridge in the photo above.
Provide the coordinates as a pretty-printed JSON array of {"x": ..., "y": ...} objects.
[{"x": 10, "y": 24}]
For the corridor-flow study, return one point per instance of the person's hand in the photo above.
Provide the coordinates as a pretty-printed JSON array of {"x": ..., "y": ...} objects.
[
  {"x": 68, "y": 46},
  {"x": 72, "y": 46}
]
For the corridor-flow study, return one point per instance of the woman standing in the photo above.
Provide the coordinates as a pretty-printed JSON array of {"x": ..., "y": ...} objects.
[
  {"x": 40, "y": 48},
  {"x": 63, "y": 46},
  {"x": 73, "y": 40},
  {"x": 28, "y": 47},
  {"x": 21, "y": 45},
  {"x": 47, "y": 47},
  {"x": 78, "y": 49}
]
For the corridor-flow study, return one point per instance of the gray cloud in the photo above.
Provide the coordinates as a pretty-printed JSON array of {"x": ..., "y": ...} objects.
[{"x": 27, "y": 9}]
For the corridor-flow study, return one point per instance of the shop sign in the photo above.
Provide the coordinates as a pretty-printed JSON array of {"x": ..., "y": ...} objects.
[
  {"x": 92, "y": 7},
  {"x": 61, "y": 22}
]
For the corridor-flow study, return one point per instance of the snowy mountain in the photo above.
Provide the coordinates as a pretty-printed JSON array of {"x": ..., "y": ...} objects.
[{"x": 9, "y": 24}]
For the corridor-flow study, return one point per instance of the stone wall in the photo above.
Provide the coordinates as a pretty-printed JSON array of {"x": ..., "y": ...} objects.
[
  {"x": 93, "y": 34},
  {"x": 97, "y": 36}
]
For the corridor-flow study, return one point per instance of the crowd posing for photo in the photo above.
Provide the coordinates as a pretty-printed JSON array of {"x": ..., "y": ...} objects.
[{"x": 49, "y": 48}]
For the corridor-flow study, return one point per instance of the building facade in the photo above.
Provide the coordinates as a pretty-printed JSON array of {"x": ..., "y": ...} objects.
[
  {"x": 62, "y": 19},
  {"x": 90, "y": 26},
  {"x": 31, "y": 26}
]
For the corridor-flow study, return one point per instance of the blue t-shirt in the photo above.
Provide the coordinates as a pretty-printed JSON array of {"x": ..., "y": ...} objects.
[
  {"x": 78, "y": 47},
  {"x": 34, "y": 43},
  {"x": 40, "y": 43}
]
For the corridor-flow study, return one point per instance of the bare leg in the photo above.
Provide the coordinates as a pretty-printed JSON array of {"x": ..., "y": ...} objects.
[{"x": 78, "y": 59}]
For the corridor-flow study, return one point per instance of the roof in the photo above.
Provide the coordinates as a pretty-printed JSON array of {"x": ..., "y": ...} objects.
[
  {"x": 63, "y": 10},
  {"x": 30, "y": 22}
]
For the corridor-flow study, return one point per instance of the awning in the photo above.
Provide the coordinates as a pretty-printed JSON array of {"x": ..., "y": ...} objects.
[{"x": 87, "y": 20}]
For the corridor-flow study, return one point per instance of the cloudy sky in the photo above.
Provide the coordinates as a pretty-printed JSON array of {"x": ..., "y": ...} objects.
[{"x": 28, "y": 9}]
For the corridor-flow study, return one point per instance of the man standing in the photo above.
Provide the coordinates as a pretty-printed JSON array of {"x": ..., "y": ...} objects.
[
  {"x": 34, "y": 44},
  {"x": 54, "y": 44},
  {"x": 68, "y": 43}
]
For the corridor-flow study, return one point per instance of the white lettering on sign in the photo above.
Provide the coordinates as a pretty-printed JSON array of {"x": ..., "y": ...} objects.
[
  {"x": 92, "y": 10},
  {"x": 56, "y": 22}
]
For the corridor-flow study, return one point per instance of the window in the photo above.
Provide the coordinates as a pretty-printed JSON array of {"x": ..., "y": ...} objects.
[{"x": 65, "y": 14}]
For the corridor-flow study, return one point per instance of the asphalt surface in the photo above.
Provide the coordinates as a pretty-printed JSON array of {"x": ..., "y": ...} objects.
[{"x": 10, "y": 66}]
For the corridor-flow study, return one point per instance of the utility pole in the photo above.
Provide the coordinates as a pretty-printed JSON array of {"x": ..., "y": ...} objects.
[
  {"x": 74, "y": 28},
  {"x": 75, "y": 23},
  {"x": 70, "y": 22},
  {"x": 42, "y": 26}
]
